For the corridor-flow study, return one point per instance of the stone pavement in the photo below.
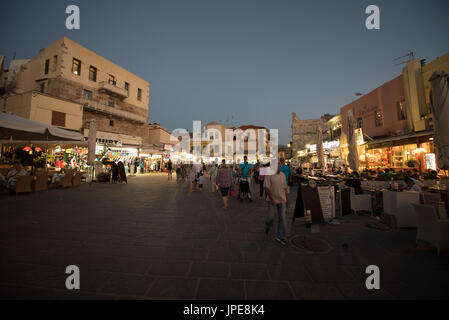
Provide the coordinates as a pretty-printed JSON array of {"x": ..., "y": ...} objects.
[{"x": 150, "y": 239}]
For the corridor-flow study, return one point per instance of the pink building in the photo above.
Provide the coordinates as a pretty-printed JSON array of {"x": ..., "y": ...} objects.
[{"x": 381, "y": 112}]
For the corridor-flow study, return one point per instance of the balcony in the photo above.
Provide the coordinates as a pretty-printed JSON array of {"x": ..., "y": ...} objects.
[
  {"x": 107, "y": 110},
  {"x": 111, "y": 89}
]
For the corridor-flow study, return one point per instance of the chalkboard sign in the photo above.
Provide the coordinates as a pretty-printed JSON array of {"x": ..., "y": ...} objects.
[{"x": 312, "y": 202}]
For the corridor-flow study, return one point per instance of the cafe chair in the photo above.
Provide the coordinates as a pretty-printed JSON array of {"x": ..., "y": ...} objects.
[
  {"x": 66, "y": 181},
  {"x": 430, "y": 228},
  {"x": 361, "y": 202},
  {"x": 41, "y": 183},
  {"x": 429, "y": 198},
  {"x": 76, "y": 180},
  {"x": 22, "y": 185},
  {"x": 398, "y": 205}
]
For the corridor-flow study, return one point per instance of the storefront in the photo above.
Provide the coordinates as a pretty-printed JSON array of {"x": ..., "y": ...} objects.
[{"x": 409, "y": 151}]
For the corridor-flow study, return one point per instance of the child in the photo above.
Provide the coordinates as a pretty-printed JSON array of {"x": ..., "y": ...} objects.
[{"x": 200, "y": 181}]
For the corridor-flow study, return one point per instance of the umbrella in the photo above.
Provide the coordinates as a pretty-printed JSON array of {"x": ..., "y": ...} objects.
[
  {"x": 353, "y": 156},
  {"x": 92, "y": 141},
  {"x": 319, "y": 148},
  {"x": 439, "y": 102}
]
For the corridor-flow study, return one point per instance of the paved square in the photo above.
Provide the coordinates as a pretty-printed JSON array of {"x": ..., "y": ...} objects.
[{"x": 151, "y": 239}]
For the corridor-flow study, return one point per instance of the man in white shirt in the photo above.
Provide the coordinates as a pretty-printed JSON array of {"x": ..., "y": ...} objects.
[
  {"x": 276, "y": 189},
  {"x": 412, "y": 186}
]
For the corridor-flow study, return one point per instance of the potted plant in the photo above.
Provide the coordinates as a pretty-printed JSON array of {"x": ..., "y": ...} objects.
[{"x": 411, "y": 163}]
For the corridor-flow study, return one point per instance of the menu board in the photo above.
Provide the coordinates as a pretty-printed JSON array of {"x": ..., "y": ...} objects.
[{"x": 327, "y": 200}]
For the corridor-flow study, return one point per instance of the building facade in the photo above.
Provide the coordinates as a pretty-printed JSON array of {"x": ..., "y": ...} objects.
[{"x": 116, "y": 98}]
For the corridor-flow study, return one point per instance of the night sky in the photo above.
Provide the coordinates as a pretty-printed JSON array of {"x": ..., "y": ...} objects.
[{"x": 245, "y": 61}]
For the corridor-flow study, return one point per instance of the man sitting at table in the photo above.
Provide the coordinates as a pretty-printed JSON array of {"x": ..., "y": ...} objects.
[
  {"x": 411, "y": 185},
  {"x": 354, "y": 182},
  {"x": 14, "y": 174}
]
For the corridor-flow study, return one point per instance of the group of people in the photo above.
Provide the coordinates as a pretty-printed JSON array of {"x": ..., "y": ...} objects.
[
  {"x": 225, "y": 179},
  {"x": 12, "y": 176}
]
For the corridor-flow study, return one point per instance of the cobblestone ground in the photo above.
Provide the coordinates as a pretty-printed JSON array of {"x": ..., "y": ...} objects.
[{"x": 150, "y": 239}]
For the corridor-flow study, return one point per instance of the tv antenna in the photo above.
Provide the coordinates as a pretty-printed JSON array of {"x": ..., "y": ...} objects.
[{"x": 409, "y": 54}]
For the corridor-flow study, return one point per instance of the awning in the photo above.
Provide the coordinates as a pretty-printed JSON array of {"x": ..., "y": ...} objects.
[
  {"x": 14, "y": 128},
  {"x": 393, "y": 140}
]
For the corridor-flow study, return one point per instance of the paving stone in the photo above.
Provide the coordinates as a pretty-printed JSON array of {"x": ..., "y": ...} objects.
[
  {"x": 315, "y": 291},
  {"x": 169, "y": 268},
  {"x": 268, "y": 290},
  {"x": 173, "y": 288},
  {"x": 209, "y": 270},
  {"x": 211, "y": 289},
  {"x": 249, "y": 271}
]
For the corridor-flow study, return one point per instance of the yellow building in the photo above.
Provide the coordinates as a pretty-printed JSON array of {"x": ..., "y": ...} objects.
[
  {"x": 45, "y": 109},
  {"x": 116, "y": 98}
]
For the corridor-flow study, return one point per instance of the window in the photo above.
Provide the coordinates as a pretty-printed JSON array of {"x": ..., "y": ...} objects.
[
  {"x": 76, "y": 66},
  {"x": 111, "y": 123},
  {"x": 58, "y": 119},
  {"x": 87, "y": 95},
  {"x": 111, "y": 103},
  {"x": 54, "y": 63},
  {"x": 112, "y": 79},
  {"x": 359, "y": 123},
  {"x": 93, "y": 74},
  {"x": 42, "y": 87},
  {"x": 139, "y": 94},
  {"x": 401, "y": 110},
  {"x": 127, "y": 86},
  {"x": 47, "y": 66},
  {"x": 378, "y": 118}
]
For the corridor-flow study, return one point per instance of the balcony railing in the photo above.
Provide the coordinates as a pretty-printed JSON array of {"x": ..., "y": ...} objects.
[
  {"x": 107, "y": 110},
  {"x": 111, "y": 89}
]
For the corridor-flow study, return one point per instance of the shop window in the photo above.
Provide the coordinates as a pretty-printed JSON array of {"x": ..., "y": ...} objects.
[
  {"x": 378, "y": 118},
  {"x": 401, "y": 110},
  {"x": 87, "y": 95},
  {"x": 47, "y": 66},
  {"x": 76, "y": 66},
  {"x": 58, "y": 119},
  {"x": 93, "y": 74}
]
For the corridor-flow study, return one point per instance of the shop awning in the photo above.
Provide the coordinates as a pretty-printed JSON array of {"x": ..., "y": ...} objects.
[
  {"x": 394, "y": 140},
  {"x": 14, "y": 128}
]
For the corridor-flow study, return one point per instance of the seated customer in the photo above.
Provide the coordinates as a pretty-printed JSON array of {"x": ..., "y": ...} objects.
[
  {"x": 354, "y": 182},
  {"x": 411, "y": 185},
  {"x": 14, "y": 174}
]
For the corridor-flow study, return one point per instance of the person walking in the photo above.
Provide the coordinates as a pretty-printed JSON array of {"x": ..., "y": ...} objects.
[
  {"x": 169, "y": 169},
  {"x": 276, "y": 189},
  {"x": 285, "y": 169},
  {"x": 178, "y": 172},
  {"x": 299, "y": 206},
  {"x": 261, "y": 179},
  {"x": 192, "y": 177},
  {"x": 245, "y": 176},
  {"x": 213, "y": 177},
  {"x": 224, "y": 182}
]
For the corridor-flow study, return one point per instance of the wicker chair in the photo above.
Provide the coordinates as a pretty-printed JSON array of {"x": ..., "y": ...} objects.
[
  {"x": 76, "y": 180},
  {"x": 41, "y": 183},
  {"x": 430, "y": 228},
  {"x": 66, "y": 182},
  {"x": 22, "y": 185}
]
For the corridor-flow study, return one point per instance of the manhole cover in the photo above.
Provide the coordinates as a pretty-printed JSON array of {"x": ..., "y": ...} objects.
[
  {"x": 311, "y": 244},
  {"x": 377, "y": 226}
]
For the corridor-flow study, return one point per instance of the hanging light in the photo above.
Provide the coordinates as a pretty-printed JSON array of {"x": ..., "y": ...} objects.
[
  {"x": 27, "y": 149},
  {"x": 37, "y": 149}
]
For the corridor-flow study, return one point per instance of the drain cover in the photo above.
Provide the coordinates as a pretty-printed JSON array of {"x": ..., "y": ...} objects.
[
  {"x": 377, "y": 226},
  {"x": 311, "y": 244}
]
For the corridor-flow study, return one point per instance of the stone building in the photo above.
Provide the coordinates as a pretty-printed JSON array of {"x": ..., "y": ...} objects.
[
  {"x": 304, "y": 132},
  {"x": 116, "y": 98}
]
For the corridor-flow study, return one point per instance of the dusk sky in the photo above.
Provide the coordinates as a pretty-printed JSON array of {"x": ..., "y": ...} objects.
[{"x": 256, "y": 61}]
